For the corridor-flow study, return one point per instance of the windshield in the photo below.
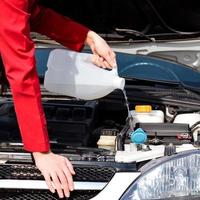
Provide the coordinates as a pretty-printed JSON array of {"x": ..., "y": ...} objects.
[{"x": 154, "y": 69}]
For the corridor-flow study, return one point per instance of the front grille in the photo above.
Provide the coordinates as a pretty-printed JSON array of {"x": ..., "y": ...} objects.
[
  {"x": 95, "y": 173},
  {"x": 30, "y": 172},
  {"x": 21, "y": 172},
  {"x": 44, "y": 195}
]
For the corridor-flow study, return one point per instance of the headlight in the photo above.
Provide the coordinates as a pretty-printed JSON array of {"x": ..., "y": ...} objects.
[{"x": 173, "y": 177}]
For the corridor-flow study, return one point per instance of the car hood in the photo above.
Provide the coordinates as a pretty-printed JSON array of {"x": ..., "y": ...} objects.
[
  {"x": 137, "y": 28},
  {"x": 149, "y": 17}
]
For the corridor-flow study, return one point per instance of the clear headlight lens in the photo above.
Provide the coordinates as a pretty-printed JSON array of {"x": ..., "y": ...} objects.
[{"x": 168, "y": 178}]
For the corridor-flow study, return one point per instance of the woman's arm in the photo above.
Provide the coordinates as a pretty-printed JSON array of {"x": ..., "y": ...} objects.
[
  {"x": 18, "y": 54},
  {"x": 57, "y": 27},
  {"x": 71, "y": 34}
]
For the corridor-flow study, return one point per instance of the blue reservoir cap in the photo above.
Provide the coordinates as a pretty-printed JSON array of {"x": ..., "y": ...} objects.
[{"x": 138, "y": 136}]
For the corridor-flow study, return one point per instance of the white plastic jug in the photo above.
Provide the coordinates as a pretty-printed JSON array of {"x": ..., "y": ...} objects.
[{"x": 73, "y": 74}]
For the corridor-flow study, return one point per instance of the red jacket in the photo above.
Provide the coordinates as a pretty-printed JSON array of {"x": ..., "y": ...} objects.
[{"x": 17, "y": 18}]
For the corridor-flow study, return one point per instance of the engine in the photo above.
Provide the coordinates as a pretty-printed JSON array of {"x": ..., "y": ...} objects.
[{"x": 152, "y": 133}]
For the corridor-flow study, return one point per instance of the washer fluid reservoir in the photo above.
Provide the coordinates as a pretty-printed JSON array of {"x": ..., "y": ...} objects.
[{"x": 145, "y": 114}]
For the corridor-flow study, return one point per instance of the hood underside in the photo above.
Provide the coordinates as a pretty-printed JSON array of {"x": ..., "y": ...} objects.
[{"x": 160, "y": 18}]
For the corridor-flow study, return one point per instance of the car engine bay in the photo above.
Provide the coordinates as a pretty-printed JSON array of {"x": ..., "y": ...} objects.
[
  {"x": 85, "y": 124},
  {"x": 97, "y": 135}
]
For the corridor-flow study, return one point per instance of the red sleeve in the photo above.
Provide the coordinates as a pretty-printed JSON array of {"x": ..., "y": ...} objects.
[
  {"x": 17, "y": 51},
  {"x": 62, "y": 29}
]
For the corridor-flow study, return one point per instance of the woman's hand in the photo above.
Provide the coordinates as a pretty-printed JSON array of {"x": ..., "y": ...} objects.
[
  {"x": 103, "y": 55},
  {"x": 57, "y": 171}
]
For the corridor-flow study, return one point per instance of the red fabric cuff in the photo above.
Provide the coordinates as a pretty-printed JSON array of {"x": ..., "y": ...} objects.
[{"x": 40, "y": 147}]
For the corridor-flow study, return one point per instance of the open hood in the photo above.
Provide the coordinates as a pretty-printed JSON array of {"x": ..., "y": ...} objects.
[
  {"x": 166, "y": 32},
  {"x": 160, "y": 19}
]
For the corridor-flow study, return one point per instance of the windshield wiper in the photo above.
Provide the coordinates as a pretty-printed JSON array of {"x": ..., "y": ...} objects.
[{"x": 130, "y": 32}]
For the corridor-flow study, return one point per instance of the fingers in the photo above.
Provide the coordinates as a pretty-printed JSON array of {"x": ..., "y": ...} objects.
[
  {"x": 66, "y": 182},
  {"x": 106, "y": 65},
  {"x": 48, "y": 181},
  {"x": 96, "y": 60},
  {"x": 103, "y": 55},
  {"x": 57, "y": 172},
  {"x": 68, "y": 175},
  {"x": 110, "y": 58},
  {"x": 106, "y": 54},
  {"x": 58, "y": 186},
  {"x": 61, "y": 181},
  {"x": 70, "y": 166},
  {"x": 101, "y": 62}
]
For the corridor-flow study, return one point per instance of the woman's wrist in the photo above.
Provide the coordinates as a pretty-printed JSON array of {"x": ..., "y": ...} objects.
[
  {"x": 90, "y": 38},
  {"x": 37, "y": 155}
]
